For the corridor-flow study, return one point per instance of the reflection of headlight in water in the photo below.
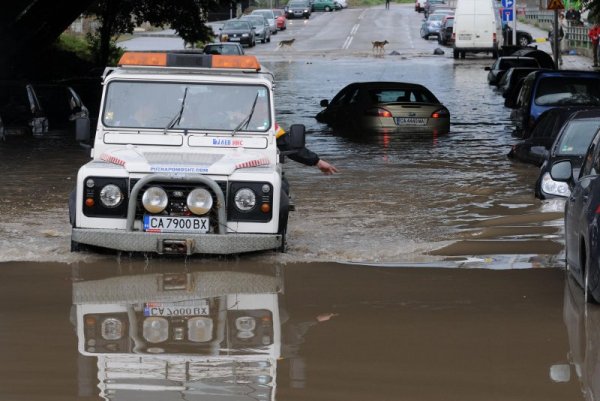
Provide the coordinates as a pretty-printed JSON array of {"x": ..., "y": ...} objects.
[{"x": 551, "y": 187}]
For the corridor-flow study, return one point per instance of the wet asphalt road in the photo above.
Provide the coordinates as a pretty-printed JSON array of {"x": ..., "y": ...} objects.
[{"x": 489, "y": 325}]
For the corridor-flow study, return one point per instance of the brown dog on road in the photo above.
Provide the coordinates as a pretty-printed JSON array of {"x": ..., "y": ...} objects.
[
  {"x": 286, "y": 43},
  {"x": 378, "y": 46}
]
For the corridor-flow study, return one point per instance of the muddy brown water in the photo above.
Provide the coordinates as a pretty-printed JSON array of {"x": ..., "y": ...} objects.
[{"x": 395, "y": 334}]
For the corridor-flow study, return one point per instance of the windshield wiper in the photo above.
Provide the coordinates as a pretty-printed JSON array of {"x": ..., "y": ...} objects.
[
  {"x": 246, "y": 121},
  {"x": 177, "y": 118}
]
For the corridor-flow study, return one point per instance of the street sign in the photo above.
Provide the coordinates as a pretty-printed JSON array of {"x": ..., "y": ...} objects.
[
  {"x": 507, "y": 15},
  {"x": 508, "y": 3},
  {"x": 556, "y": 5}
]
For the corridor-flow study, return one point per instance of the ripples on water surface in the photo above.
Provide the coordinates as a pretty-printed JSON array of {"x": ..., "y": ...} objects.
[{"x": 395, "y": 199}]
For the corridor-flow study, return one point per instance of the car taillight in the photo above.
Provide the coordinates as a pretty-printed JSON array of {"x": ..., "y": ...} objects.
[
  {"x": 597, "y": 209},
  {"x": 378, "y": 112},
  {"x": 453, "y": 36},
  {"x": 441, "y": 113},
  {"x": 494, "y": 37}
]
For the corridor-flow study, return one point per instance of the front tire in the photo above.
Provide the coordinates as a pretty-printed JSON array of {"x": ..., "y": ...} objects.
[
  {"x": 327, "y": 8},
  {"x": 523, "y": 41}
]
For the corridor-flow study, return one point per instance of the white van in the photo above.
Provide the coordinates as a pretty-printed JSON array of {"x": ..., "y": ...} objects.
[{"x": 477, "y": 28}]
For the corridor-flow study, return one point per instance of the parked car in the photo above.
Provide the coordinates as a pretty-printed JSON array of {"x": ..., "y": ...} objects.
[
  {"x": 228, "y": 48},
  {"x": 523, "y": 38},
  {"x": 571, "y": 144},
  {"x": 262, "y": 30},
  {"x": 536, "y": 147},
  {"x": 582, "y": 225},
  {"x": 386, "y": 105},
  {"x": 21, "y": 111},
  {"x": 63, "y": 108},
  {"x": 510, "y": 78},
  {"x": 238, "y": 31},
  {"x": 546, "y": 89},
  {"x": 325, "y": 5},
  {"x": 280, "y": 19},
  {"x": 342, "y": 3},
  {"x": 430, "y": 3},
  {"x": 298, "y": 9},
  {"x": 445, "y": 35},
  {"x": 269, "y": 16},
  {"x": 431, "y": 26},
  {"x": 502, "y": 64}
]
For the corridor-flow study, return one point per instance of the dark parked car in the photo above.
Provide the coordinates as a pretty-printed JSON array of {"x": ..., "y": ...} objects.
[
  {"x": 544, "y": 89},
  {"x": 238, "y": 31},
  {"x": 227, "y": 48},
  {"x": 502, "y": 64},
  {"x": 523, "y": 38},
  {"x": 570, "y": 144},
  {"x": 536, "y": 147},
  {"x": 62, "y": 106},
  {"x": 298, "y": 9},
  {"x": 509, "y": 80},
  {"x": 376, "y": 106},
  {"x": 445, "y": 35},
  {"x": 582, "y": 220},
  {"x": 21, "y": 111}
]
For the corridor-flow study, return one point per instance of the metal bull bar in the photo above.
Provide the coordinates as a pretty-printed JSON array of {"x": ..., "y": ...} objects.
[{"x": 197, "y": 178}]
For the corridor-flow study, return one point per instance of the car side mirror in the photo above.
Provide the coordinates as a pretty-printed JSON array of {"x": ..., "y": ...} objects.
[
  {"x": 324, "y": 103},
  {"x": 82, "y": 129},
  {"x": 297, "y": 138},
  {"x": 540, "y": 152},
  {"x": 487, "y": 68},
  {"x": 562, "y": 171}
]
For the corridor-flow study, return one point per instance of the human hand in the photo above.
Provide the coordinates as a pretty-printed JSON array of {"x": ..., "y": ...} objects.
[
  {"x": 326, "y": 168},
  {"x": 326, "y": 316}
]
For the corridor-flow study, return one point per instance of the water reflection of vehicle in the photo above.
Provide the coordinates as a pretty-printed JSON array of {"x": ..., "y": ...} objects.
[
  {"x": 187, "y": 335},
  {"x": 582, "y": 321}
]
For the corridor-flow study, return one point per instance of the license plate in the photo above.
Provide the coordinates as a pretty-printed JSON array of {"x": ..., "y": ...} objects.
[
  {"x": 166, "y": 224},
  {"x": 188, "y": 308},
  {"x": 410, "y": 121},
  {"x": 234, "y": 39},
  {"x": 464, "y": 36}
]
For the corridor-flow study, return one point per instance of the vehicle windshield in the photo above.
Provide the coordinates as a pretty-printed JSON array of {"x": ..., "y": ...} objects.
[
  {"x": 436, "y": 17},
  {"x": 222, "y": 48},
  {"x": 218, "y": 107},
  {"x": 563, "y": 91},
  {"x": 256, "y": 23},
  {"x": 265, "y": 13},
  {"x": 401, "y": 95},
  {"x": 230, "y": 25},
  {"x": 577, "y": 137}
]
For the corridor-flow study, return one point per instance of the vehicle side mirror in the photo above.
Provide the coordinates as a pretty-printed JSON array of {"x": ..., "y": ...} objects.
[
  {"x": 297, "y": 136},
  {"x": 562, "y": 171},
  {"x": 539, "y": 152},
  {"x": 324, "y": 103},
  {"x": 82, "y": 129},
  {"x": 487, "y": 68}
]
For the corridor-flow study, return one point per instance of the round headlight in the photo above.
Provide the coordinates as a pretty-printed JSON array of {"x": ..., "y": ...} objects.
[
  {"x": 155, "y": 329},
  {"x": 245, "y": 199},
  {"x": 111, "y": 196},
  {"x": 155, "y": 200},
  {"x": 112, "y": 329},
  {"x": 199, "y": 201}
]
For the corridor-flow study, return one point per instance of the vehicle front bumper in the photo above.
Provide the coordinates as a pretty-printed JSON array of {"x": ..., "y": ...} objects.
[{"x": 176, "y": 243}]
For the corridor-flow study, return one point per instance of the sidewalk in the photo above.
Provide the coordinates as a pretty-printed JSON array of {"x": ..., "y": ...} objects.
[{"x": 570, "y": 62}]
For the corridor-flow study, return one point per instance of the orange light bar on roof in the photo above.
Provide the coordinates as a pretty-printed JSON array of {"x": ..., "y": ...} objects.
[
  {"x": 236, "y": 62},
  {"x": 143, "y": 58}
]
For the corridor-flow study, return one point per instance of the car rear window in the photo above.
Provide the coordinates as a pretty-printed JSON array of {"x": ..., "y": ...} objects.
[
  {"x": 577, "y": 137},
  {"x": 563, "y": 91},
  {"x": 401, "y": 95}
]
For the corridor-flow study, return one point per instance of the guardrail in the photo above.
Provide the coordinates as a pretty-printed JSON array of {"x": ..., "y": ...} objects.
[{"x": 576, "y": 37}]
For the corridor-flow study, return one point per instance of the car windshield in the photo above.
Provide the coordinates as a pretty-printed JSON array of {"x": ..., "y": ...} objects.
[
  {"x": 401, "y": 95},
  {"x": 266, "y": 13},
  {"x": 436, "y": 17},
  {"x": 222, "y": 49},
  {"x": 298, "y": 4},
  {"x": 577, "y": 137},
  {"x": 202, "y": 106},
  {"x": 563, "y": 91},
  {"x": 236, "y": 25},
  {"x": 257, "y": 23}
]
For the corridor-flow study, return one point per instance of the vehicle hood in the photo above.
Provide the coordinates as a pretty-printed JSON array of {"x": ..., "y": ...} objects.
[{"x": 139, "y": 160}]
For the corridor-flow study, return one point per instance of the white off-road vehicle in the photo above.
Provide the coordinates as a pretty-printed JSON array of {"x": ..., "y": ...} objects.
[{"x": 185, "y": 159}]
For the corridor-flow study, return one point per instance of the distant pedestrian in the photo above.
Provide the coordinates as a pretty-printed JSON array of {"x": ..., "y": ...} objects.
[
  {"x": 387, "y": 4},
  {"x": 594, "y": 35},
  {"x": 561, "y": 35}
]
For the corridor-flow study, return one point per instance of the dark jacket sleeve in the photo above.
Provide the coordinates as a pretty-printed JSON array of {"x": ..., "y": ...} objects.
[{"x": 304, "y": 155}]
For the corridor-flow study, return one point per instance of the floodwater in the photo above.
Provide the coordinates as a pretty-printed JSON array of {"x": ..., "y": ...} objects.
[
  {"x": 387, "y": 334},
  {"x": 397, "y": 199}
]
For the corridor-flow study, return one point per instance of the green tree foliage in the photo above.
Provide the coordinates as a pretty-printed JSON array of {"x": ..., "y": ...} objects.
[{"x": 187, "y": 17}]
